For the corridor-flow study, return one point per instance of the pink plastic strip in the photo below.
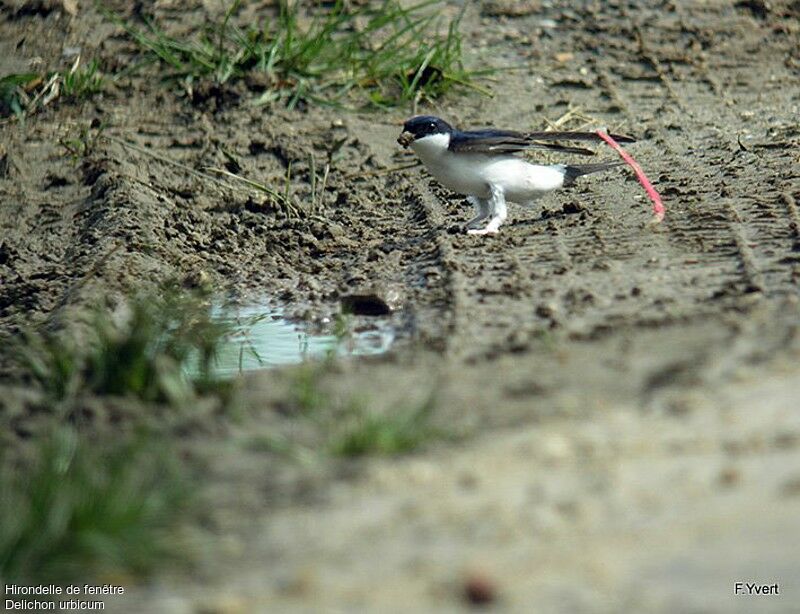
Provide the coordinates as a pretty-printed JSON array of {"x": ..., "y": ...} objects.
[{"x": 658, "y": 206}]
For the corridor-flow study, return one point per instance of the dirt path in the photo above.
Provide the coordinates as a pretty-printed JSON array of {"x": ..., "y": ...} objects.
[
  {"x": 629, "y": 392},
  {"x": 586, "y": 484}
]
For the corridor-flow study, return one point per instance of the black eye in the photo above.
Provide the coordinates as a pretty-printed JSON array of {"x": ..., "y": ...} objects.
[{"x": 432, "y": 125}]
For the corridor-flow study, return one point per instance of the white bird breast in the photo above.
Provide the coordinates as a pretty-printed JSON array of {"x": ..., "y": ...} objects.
[
  {"x": 471, "y": 174},
  {"x": 521, "y": 181}
]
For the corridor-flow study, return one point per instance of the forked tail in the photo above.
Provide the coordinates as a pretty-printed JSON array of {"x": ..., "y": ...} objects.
[{"x": 573, "y": 171}]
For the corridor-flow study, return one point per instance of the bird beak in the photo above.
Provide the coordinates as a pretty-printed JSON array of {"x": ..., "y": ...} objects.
[{"x": 405, "y": 139}]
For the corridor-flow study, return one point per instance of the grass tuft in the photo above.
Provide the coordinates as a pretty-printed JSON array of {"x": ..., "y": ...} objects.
[
  {"x": 398, "y": 431},
  {"x": 160, "y": 349},
  {"x": 22, "y": 94},
  {"x": 83, "y": 142},
  {"x": 382, "y": 55},
  {"x": 82, "y": 81},
  {"x": 320, "y": 423},
  {"x": 81, "y": 509}
]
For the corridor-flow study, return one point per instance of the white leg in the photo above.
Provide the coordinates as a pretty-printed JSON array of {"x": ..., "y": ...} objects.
[
  {"x": 498, "y": 210},
  {"x": 481, "y": 209}
]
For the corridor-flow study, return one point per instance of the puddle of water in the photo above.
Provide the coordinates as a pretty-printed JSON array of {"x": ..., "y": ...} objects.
[{"x": 264, "y": 338}]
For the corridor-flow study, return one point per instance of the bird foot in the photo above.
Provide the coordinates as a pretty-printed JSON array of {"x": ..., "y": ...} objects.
[
  {"x": 483, "y": 231},
  {"x": 475, "y": 224}
]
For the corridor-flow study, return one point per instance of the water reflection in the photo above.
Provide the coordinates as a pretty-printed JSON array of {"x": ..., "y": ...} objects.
[{"x": 262, "y": 338}]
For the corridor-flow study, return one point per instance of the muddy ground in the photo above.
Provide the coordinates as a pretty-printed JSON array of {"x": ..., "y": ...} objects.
[{"x": 627, "y": 393}]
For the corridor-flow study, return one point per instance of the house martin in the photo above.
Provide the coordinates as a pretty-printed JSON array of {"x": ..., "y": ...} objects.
[{"x": 483, "y": 164}]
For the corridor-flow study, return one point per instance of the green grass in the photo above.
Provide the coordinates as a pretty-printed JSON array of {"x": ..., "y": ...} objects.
[
  {"x": 160, "y": 348},
  {"x": 82, "y": 142},
  {"x": 82, "y": 81},
  {"x": 352, "y": 431},
  {"x": 383, "y": 55},
  {"x": 14, "y": 92},
  {"x": 306, "y": 396},
  {"x": 397, "y": 431},
  {"x": 22, "y": 94},
  {"x": 107, "y": 500},
  {"x": 323, "y": 424},
  {"x": 76, "y": 510}
]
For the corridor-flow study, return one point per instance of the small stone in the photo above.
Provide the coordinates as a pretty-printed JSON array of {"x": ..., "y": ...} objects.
[
  {"x": 479, "y": 589},
  {"x": 336, "y": 230},
  {"x": 729, "y": 477},
  {"x": 547, "y": 310}
]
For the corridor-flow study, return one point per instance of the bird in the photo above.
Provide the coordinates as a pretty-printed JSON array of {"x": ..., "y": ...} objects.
[{"x": 484, "y": 166}]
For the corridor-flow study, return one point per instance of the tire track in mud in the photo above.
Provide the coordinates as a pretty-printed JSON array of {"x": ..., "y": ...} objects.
[
  {"x": 731, "y": 233},
  {"x": 586, "y": 274},
  {"x": 438, "y": 311},
  {"x": 37, "y": 229},
  {"x": 582, "y": 264},
  {"x": 586, "y": 263}
]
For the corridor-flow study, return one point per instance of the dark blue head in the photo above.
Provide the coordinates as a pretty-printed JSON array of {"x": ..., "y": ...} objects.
[{"x": 421, "y": 126}]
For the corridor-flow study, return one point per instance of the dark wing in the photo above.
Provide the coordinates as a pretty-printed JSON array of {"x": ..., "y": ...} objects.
[
  {"x": 507, "y": 141},
  {"x": 576, "y": 136}
]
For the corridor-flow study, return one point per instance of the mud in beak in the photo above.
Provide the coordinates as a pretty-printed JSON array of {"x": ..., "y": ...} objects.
[{"x": 405, "y": 139}]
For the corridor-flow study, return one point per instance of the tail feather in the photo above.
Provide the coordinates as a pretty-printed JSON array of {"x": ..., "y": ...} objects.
[{"x": 573, "y": 171}]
